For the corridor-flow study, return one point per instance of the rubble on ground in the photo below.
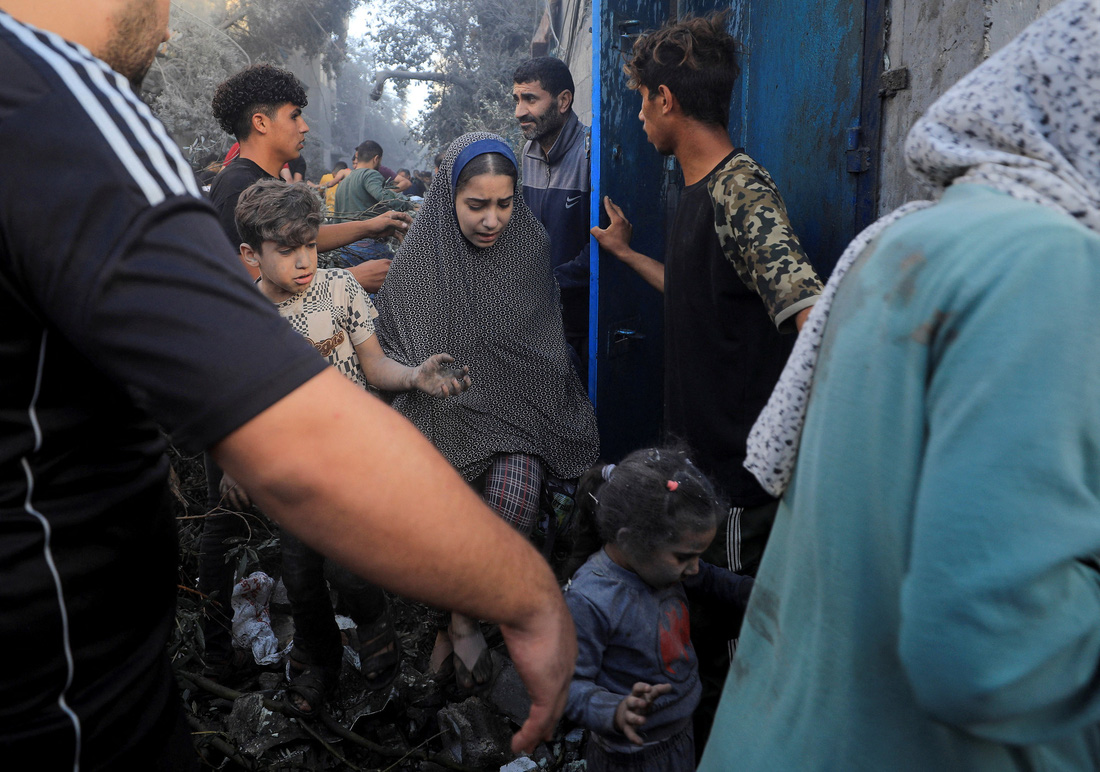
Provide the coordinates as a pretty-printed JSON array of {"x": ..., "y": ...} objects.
[{"x": 418, "y": 724}]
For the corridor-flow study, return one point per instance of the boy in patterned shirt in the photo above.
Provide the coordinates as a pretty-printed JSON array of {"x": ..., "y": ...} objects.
[
  {"x": 734, "y": 278},
  {"x": 278, "y": 224}
]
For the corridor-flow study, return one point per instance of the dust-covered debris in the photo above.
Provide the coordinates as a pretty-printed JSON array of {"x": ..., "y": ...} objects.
[{"x": 398, "y": 729}]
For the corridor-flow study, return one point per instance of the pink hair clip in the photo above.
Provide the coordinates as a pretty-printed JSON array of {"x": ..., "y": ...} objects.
[{"x": 672, "y": 485}]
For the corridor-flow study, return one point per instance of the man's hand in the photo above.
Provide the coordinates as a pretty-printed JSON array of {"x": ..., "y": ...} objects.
[
  {"x": 615, "y": 238},
  {"x": 435, "y": 376},
  {"x": 232, "y": 493},
  {"x": 371, "y": 273},
  {"x": 634, "y": 708},
  {"x": 388, "y": 224},
  {"x": 545, "y": 655}
]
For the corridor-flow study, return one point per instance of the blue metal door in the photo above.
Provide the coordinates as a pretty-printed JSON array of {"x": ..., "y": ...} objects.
[
  {"x": 806, "y": 108},
  {"x": 625, "y": 355},
  {"x": 803, "y": 112}
]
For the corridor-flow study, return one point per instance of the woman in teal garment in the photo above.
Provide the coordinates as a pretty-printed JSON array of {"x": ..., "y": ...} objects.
[{"x": 930, "y": 598}]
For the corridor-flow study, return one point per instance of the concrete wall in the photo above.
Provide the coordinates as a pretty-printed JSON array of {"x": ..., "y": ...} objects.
[
  {"x": 574, "y": 47},
  {"x": 938, "y": 41}
]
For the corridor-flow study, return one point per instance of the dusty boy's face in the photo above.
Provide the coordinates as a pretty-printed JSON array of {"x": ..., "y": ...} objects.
[{"x": 286, "y": 271}]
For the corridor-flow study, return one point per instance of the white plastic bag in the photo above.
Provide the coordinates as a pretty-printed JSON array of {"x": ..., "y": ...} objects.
[{"x": 252, "y": 618}]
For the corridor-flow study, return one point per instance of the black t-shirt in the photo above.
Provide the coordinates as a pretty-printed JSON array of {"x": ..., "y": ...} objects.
[
  {"x": 298, "y": 166},
  {"x": 227, "y": 188},
  {"x": 123, "y": 310},
  {"x": 723, "y": 353}
]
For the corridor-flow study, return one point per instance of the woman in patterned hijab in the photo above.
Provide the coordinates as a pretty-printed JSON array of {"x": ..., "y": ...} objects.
[{"x": 473, "y": 275}]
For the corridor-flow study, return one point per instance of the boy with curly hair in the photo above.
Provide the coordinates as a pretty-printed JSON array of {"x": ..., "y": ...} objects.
[
  {"x": 734, "y": 278},
  {"x": 262, "y": 107}
]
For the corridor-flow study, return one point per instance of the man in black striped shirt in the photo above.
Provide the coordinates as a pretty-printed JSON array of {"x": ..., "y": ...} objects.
[{"x": 122, "y": 307}]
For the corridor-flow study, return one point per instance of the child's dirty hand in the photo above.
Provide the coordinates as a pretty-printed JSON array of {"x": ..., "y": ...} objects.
[
  {"x": 439, "y": 376},
  {"x": 632, "y": 711}
]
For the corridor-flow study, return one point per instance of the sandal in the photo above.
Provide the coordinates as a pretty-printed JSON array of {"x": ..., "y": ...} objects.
[
  {"x": 479, "y": 675},
  {"x": 471, "y": 646},
  {"x": 380, "y": 654},
  {"x": 311, "y": 686}
]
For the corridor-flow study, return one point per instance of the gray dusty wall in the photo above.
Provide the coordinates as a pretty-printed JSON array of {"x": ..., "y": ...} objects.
[
  {"x": 574, "y": 47},
  {"x": 938, "y": 41}
]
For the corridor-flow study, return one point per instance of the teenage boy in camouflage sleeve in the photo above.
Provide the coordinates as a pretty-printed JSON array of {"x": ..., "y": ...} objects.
[{"x": 734, "y": 279}]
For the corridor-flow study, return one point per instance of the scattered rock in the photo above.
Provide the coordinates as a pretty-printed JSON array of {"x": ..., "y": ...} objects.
[
  {"x": 474, "y": 735},
  {"x": 508, "y": 693},
  {"x": 255, "y": 729}
]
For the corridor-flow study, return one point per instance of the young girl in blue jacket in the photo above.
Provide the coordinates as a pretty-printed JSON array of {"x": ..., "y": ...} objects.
[{"x": 636, "y": 684}]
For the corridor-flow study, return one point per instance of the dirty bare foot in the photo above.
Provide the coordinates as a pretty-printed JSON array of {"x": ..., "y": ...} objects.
[{"x": 441, "y": 663}]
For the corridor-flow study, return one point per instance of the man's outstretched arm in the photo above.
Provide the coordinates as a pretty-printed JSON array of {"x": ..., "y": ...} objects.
[
  {"x": 372, "y": 273},
  {"x": 356, "y": 481},
  {"x": 334, "y": 235}
]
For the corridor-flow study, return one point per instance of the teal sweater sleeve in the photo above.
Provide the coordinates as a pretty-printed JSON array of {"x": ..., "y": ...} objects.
[{"x": 1000, "y": 629}]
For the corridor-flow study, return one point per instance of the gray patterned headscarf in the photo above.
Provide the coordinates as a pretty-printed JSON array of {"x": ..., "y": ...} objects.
[
  {"x": 496, "y": 310},
  {"x": 1026, "y": 122}
]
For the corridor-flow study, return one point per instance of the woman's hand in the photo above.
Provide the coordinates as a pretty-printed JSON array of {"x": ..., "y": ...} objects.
[{"x": 438, "y": 376}]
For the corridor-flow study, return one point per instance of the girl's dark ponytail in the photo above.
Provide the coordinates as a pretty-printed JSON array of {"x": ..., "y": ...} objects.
[{"x": 586, "y": 532}]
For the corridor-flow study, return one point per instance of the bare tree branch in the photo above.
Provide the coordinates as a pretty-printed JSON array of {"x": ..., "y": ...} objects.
[
  {"x": 229, "y": 21},
  {"x": 382, "y": 76}
]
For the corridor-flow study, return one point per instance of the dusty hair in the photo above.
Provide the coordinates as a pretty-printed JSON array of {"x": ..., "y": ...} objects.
[
  {"x": 261, "y": 88},
  {"x": 272, "y": 210},
  {"x": 696, "y": 59},
  {"x": 650, "y": 499}
]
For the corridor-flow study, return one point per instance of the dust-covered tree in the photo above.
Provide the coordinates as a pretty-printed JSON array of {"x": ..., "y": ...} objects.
[
  {"x": 270, "y": 29},
  {"x": 469, "y": 48},
  {"x": 197, "y": 57}
]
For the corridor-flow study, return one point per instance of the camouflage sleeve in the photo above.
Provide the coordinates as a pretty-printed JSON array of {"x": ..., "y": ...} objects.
[{"x": 751, "y": 221}]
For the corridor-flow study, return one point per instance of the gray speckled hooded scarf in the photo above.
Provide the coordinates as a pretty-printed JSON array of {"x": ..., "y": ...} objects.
[{"x": 496, "y": 310}]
